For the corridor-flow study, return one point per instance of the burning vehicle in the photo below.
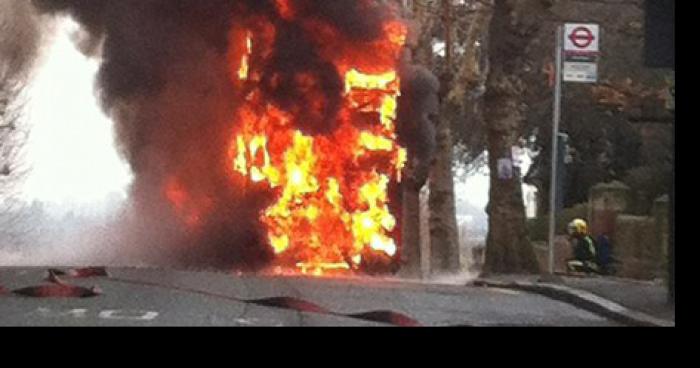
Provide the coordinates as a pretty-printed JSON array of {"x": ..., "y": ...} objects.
[
  {"x": 261, "y": 134},
  {"x": 331, "y": 209}
]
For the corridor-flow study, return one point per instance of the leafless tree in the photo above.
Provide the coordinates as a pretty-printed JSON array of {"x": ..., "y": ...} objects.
[
  {"x": 19, "y": 40},
  {"x": 450, "y": 39}
]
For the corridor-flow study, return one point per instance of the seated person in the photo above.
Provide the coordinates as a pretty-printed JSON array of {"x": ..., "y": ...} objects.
[{"x": 585, "y": 255}]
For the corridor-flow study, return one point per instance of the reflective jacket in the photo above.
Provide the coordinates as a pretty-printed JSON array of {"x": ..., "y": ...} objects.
[{"x": 584, "y": 249}]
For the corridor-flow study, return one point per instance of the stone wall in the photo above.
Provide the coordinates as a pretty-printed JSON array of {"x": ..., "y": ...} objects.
[
  {"x": 640, "y": 243},
  {"x": 637, "y": 245},
  {"x": 607, "y": 201},
  {"x": 562, "y": 253}
]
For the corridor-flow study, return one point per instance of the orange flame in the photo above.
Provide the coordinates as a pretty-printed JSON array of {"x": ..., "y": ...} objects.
[
  {"x": 331, "y": 211},
  {"x": 245, "y": 60},
  {"x": 183, "y": 203}
]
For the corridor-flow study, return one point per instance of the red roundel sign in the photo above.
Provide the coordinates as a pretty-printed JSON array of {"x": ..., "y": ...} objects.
[{"x": 582, "y": 38}]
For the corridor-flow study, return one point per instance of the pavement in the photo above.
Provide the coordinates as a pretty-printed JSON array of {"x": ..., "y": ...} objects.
[
  {"x": 630, "y": 302},
  {"x": 157, "y": 297}
]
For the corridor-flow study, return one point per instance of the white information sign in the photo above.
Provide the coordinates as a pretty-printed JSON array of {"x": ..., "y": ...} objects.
[{"x": 580, "y": 72}]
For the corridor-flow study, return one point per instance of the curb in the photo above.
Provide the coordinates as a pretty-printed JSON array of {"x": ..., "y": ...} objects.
[{"x": 584, "y": 300}]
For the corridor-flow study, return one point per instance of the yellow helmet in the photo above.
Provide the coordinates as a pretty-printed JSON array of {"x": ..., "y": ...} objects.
[{"x": 578, "y": 227}]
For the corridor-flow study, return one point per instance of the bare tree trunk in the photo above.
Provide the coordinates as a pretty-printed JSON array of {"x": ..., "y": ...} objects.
[
  {"x": 508, "y": 248},
  {"x": 444, "y": 242},
  {"x": 443, "y": 217},
  {"x": 410, "y": 235}
]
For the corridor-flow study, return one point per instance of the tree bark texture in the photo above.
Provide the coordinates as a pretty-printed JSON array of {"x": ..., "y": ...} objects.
[
  {"x": 508, "y": 248},
  {"x": 444, "y": 236}
]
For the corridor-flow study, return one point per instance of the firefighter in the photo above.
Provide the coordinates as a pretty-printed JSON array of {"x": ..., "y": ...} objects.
[{"x": 585, "y": 254}]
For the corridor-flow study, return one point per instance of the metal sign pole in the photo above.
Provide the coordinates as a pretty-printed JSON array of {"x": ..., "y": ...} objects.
[{"x": 555, "y": 146}]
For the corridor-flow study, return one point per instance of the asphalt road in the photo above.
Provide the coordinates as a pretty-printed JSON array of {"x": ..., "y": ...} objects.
[{"x": 151, "y": 297}]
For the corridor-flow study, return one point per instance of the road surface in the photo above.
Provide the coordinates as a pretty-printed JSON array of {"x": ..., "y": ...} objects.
[{"x": 153, "y": 297}]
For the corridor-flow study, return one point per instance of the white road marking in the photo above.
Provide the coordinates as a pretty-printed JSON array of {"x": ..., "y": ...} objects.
[
  {"x": 115, "y": 314},
  {"x": 128, "y": 315},
  {"x": 75, "y": 313}
]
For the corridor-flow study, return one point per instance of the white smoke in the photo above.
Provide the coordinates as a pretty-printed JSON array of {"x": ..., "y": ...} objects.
[{"x": 63, "y": 210}]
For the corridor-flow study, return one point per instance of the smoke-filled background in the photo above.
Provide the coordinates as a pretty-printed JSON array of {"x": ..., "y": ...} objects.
[{"x": 164, "y": 80}]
